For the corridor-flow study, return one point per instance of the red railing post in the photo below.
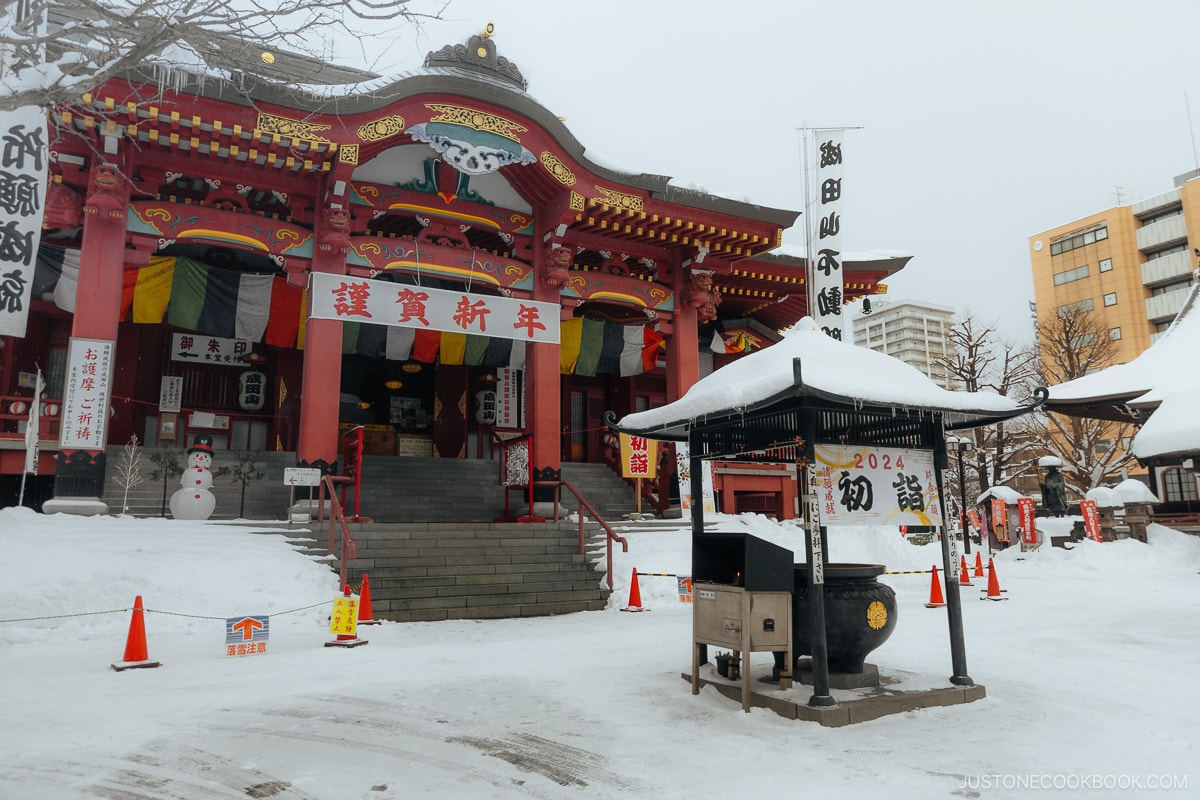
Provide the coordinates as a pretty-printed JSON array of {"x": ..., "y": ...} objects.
[
  {"x": 514, "y": 471},
  {"x": 352, "y": 447},
  {"x": 338, "y": 518}
]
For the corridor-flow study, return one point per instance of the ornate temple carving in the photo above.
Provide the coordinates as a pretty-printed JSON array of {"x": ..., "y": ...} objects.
[
  {"x": 557, "y": 266},
  {"x": 702, "y": 296},
  {"x": 107, "y": 194}
]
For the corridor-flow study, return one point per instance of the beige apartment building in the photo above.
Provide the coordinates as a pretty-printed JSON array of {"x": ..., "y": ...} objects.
[
  {"x": 1131, "y": 266},
  {"x": 916, "y": 333}
]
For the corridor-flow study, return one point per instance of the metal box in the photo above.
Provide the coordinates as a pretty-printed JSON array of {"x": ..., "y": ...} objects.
[
  {"x": 741, "y": 559},
  {"x": 730, "y": 616},
  {"x": 745, "y": 622}
]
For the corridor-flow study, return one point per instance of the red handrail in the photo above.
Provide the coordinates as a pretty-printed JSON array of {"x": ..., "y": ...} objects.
[
  {"x": 584, "y": 505},
  {"x": 352, "y": 451},
  {"x": 336, "y": 517}
]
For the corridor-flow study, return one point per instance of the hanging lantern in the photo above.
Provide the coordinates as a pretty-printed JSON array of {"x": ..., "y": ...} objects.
[
  {"x": 485, "y": 407},
  {"x": 251, "y": 395}
]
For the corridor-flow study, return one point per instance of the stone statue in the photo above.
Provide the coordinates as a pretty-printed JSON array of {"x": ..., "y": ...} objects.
[{"x": 1054, "y": 492}]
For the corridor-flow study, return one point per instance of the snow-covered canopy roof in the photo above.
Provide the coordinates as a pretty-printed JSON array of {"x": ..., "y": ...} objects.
[
  {"x": 808, "y": 363},
  {"x": 1131, "y": 490},
  {"x": 1008, "y": 495},
  {"x": 1160, "y": 381},
  {"x": 1173, "y": 430}
]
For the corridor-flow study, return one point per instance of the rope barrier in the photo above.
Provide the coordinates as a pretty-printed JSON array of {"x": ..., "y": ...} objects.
[
  {"x": 658, "y": 574},
  {"x": 153, "y": 611}
]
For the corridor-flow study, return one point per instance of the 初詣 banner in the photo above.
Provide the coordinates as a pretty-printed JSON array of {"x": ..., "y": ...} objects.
[{"x": 876, "y": 486}]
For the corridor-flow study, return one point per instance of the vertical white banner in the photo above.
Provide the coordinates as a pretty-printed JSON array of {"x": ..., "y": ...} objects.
[
  {"x": 32, "y": 440},
  {"x": 825, "y": 292},
  {"x": 683, "y": 473},
  {"x": 23, "y": 169},
  {"x": 86, "y": 393}
]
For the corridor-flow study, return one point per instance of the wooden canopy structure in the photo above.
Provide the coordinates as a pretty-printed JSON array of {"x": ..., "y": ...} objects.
[{"x": 807, "y": 390}]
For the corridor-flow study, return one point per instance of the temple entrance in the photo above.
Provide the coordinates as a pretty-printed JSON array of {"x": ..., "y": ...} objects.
[{"x": 583, "y": 414}]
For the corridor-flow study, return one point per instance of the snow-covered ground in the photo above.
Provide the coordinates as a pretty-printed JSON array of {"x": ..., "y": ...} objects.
[{"x": 1090, "y": 667}]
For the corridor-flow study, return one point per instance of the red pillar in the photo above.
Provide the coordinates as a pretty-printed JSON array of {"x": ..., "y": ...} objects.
[
  {"x": 683, "y": 353},
  {"x": 543, "y": 389},
  {"x": 80, "y": 473},
  {"x": 321, "y": 383}
]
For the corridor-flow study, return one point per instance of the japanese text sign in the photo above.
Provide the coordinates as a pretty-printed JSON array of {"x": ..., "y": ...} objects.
[
  {"x": 360, "y": 300},
  {"x": 247, "y": 636},
  {"x": 685, "y": 588},
  {"x": 23, "y": 166},
  {"x": 1000, "y": 519},
  {"x": 344, "y": 620},
  {"x": 200, "y": 349},
  {"x": 170, "y": 393},
  {"x": 85, "y": 395},
  {"x": 826, "y": 274},
  {"x": 876, "y": 486},
  {"x": 510, "y": 411},
  {"x": 639, "y": 456},
  {"x": 1025, "y": 507},
  {"x": 1091, "y": 519}
]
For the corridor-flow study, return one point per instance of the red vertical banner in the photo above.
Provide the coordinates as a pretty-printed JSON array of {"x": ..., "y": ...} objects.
[
  {"x": 1028, "y": 520},
  {"x": 973, "y": 519},
  {"x": 999, "y": 520},
  {"x": 1091, "y": 519}
]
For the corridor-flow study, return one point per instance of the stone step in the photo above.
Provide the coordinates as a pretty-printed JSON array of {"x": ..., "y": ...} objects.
[{"x": 432, "y": 571}]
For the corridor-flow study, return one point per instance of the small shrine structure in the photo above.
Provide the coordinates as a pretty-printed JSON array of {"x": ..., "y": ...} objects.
[{"x": 867, "y": 435}]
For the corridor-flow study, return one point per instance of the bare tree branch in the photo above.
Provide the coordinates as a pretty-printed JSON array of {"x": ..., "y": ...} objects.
[
  {"x": 1073, "y": 344},
  {"x": 53, "y": 51},
  {"x": 980, "y": 360}
]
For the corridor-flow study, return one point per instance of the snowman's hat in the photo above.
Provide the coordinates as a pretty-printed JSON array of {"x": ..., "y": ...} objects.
[{"x": 201, "y": 444}]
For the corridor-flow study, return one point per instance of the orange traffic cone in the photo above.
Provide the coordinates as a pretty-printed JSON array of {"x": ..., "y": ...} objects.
[
  {"x": 935, "y": 592},
  {"x": 635, "y": 594},
  {"x": 993, "y": 590},
  {"x": 964, "y": 574},
  {"x": 978, "y": 565},
  {"x": 364, "y": 604},
  {"x": 136, "y": 656}
]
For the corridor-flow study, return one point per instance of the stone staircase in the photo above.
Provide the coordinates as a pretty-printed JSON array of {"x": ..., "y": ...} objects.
[
  {"x": 452, "y": 570},
  {"x": 433, "y": 550},
  {"x": 604, "y": 490}
]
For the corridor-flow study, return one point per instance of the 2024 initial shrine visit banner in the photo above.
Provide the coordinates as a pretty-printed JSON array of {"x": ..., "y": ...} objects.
[
  {"x": 360, "y": 300},
  {"x": 876, "y": 486}
]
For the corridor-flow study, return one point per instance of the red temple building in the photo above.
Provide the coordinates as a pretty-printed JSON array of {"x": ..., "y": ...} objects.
[{"x": 434, "y": 260}]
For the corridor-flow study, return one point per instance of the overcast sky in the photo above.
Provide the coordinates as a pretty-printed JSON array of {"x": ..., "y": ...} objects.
[{"x": 981, "y": 126}]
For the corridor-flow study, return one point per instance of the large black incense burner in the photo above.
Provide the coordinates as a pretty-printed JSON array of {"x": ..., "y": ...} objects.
[{"x": 860, "y": 614}]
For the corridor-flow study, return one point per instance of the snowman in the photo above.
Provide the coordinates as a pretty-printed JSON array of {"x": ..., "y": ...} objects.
[{"x": 194, "y": 501}]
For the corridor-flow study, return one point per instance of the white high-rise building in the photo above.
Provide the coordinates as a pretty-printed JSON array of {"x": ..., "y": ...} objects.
[{"x": 914, "y": 332}]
